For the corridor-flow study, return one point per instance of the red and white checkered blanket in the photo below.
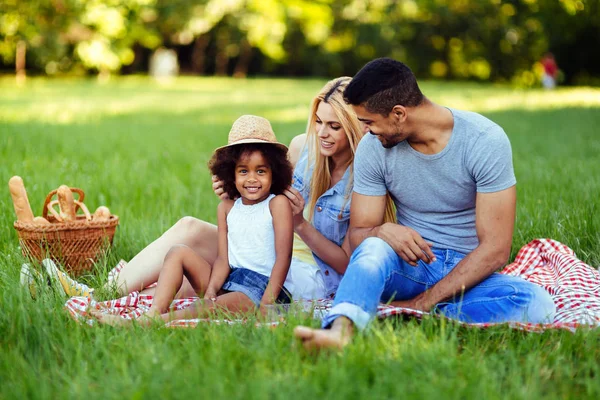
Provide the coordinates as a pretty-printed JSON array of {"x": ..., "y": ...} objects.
[{"x": 574, "y": 286}]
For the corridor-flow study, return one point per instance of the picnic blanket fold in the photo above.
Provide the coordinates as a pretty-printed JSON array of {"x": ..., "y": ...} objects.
[{"x": 573, "y": 285}]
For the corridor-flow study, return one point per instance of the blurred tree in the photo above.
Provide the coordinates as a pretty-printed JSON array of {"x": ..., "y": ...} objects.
[
  {"x": 240, "y": 26},
  {"x": 499, "y": 40},
  {"x": 111, "y": 29},
  {"x": 36, "y": 29}
]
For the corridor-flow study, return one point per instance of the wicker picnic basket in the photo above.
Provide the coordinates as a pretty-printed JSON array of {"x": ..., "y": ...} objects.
[{"x": 76, "y": 245}]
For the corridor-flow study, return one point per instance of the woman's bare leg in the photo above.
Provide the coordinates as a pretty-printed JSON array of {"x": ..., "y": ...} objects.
[{"x": 144, "y": 268}]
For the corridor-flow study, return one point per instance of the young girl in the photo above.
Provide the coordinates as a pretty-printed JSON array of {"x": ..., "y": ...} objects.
[{"x": 255, "y": 232}]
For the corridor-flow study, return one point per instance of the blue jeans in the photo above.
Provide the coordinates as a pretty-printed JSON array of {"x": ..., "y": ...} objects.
[
  {"x": 253, "y": 285},
  {"x": 377, "y": 274}
]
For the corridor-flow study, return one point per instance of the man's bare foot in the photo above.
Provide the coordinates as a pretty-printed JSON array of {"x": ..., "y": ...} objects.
[{"x": 337, "y": 337}]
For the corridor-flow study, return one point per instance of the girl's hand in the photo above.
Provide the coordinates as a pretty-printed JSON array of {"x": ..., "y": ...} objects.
[
  {"x": 210, "y": 295},
  {"x": 218, "y": 188},
  {"x": 262, "y": 311},
  {"x": 297, "y": 203}
]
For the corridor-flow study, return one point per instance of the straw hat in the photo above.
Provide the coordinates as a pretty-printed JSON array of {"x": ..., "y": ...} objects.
[{"x": 251, "y": 129}]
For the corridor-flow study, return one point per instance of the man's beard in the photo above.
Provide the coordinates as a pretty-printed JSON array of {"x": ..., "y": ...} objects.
[{"x": 388, "y": 143}]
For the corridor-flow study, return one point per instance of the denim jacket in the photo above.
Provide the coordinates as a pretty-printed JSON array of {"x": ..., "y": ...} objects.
[{"x": 331, "y": 215}]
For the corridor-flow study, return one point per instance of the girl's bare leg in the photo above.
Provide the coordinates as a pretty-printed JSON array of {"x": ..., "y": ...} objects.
[
  {"x": 180, "y": 261},
  {"x": 232, "y": 302},
  {"x": 144, "y": 268}
]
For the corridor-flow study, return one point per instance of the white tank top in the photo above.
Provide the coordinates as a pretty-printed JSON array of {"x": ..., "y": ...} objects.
[{"x": 250, "y": 236}]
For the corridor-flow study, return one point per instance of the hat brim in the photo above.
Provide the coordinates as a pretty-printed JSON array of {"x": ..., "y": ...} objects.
[{"x": 245, "y": 141}]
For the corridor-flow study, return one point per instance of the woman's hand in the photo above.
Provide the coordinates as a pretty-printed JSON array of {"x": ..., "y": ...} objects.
[
  {"x": 218, "y": 188},
  {"x": 297, "y": 203}
]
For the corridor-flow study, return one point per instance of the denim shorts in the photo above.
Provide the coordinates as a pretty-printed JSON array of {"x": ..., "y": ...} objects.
[{"x": 253, "y": 285}]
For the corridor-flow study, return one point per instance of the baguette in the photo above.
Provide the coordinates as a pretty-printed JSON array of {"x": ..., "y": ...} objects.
[
  {"x": 66, "y": 203},
  {"x": 19, "y": 198},
  {"x": 102, "y": 213}
]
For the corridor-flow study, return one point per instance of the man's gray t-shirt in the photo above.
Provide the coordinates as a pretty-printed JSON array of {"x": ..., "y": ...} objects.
[{"x": 435, "y": 194}]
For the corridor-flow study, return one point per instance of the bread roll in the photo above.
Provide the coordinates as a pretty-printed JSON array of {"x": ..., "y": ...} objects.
[
  {"x": 19, "y": 198},
  {"x": 102, "y": 213},
  {"x": 66, "y": 203},
  {"x": 41, "y": 221}
]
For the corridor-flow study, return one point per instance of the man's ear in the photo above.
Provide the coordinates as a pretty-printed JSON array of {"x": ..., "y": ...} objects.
[{"x": 399, "y": 113}]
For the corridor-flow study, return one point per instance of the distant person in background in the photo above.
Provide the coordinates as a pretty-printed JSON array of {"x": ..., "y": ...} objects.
[
  {"x": 550, "y": 71},
  {"x": 164, "y": 65}
]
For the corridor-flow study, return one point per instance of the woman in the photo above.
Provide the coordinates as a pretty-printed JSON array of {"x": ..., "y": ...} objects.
[{"x": 320, "y": 199}]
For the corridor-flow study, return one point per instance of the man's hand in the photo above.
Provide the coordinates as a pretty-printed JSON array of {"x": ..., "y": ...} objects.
[
  {"x": 297, "y": 203},
  {"x": 416, "y": 303},
  {"x": 367, "y": 215},
  {"x": 218, "y": 188},
  {"x": 407, "y": 243}
]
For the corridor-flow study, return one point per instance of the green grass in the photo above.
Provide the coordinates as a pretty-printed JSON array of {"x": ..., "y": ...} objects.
[{"x": 141, "y": 149}]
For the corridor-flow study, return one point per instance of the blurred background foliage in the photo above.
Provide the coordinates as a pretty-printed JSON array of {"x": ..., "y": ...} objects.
[{"x": 485, "y": 40}]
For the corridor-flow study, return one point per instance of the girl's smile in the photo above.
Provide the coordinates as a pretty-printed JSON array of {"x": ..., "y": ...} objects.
[{"x": 253, "y": 177}]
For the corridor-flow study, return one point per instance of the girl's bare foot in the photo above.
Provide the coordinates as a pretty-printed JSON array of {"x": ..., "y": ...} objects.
[
  {"x": 117, "y": 320},
  {"x": 109, "y": 319},
  {"x": 337, "y": 337}
]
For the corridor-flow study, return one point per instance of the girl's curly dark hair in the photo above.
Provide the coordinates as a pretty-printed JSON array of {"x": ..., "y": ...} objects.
[{"x": 222, "y": 164}]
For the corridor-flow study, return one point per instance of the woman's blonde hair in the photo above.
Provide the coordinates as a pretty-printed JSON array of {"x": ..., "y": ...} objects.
[{"x": 333, "y": 94}]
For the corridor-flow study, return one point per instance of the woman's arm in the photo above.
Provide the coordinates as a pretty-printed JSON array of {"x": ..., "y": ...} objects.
[
  {"x": 335, "y": 256},
  {"x": 284, "y": 236},
  {"x": 220, "y": 269},
  {"x": 295, "y": 148}
]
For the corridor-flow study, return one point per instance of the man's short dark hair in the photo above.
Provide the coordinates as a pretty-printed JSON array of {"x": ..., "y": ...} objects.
[{"x": 381, "y": 84}]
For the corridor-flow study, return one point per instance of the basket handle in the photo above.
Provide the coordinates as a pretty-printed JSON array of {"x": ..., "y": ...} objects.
[
  {"x": 85, "y": 210},
  {"x": 50, "y": 207},
  {"x": 53, "y": 193},
  {"x": 55, "y": 214}
]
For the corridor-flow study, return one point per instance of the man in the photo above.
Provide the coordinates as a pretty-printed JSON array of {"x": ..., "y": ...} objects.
[{"x": 451, "y": 177}]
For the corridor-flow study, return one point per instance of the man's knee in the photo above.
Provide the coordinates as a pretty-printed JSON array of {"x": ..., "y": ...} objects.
[
  {"x": 373, "y": 254},
  {"x": 374, "y": 248}
]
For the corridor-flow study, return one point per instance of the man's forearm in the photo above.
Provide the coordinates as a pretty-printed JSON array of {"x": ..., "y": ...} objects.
[
  {"x": 357, "y": 235},
  {"x": 474, "y": 268}
]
